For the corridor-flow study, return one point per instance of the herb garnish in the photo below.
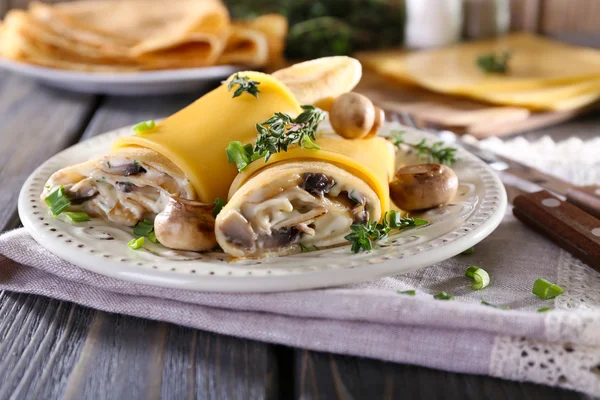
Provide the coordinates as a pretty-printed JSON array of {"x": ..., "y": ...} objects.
[
  {"x": 144, "y": 126},
  {"x": 245, "y": 84},
  {"x": 443, "y": 296},
  {"x": 218, "y": 206},
  {"x": 480, "y": 277},
  {"x": 485, "y": 303},
  {"x": 306, "y": 249},
  {"x": 494, "y": 63},
  {"x": 408, "y": 292},
  {"x": 58, "y": 201},
  {"x": 363, "y": 235},
  {"x": 437, "y": 152},
  {"x": 545, "y": 289},
  {"x": 145, "y": 228},
  {"x": 277, "y": 134}
]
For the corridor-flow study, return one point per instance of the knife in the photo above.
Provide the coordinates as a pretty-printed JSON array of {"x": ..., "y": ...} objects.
[{"x": 573, "y": 224}]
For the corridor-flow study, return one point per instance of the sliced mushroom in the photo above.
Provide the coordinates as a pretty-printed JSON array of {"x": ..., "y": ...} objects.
[
  {"x": 317, "y": 184},
  {"x": 132, "y": 168},
  {"x": 186, "y": 225},
  {"x": 82, "y": 191},
  {"x": 419, "y": 187},
  {"x": 238, "y": 230}
]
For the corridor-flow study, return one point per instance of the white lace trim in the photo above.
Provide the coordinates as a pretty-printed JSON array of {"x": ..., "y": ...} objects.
[
  {"x": 559, "y": 362},
  {"x": 568, "y": 366},
  {"x": 581, "y": 284}
]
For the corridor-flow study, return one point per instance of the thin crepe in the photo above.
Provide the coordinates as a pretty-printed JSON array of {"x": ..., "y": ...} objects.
[
  {"x": 124, "y": 187},
  {"x": 281, "y": 207}
]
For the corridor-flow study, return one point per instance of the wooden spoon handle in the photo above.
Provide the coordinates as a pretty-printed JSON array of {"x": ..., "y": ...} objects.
[
  {"x": 565, "y": 224},
  {"x": 587, "y": 198}
]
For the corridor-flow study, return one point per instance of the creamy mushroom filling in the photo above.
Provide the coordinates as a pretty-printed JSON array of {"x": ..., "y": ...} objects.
[
  {"x": 122, "y": 190},
  {"x": 308, "y": 208}
]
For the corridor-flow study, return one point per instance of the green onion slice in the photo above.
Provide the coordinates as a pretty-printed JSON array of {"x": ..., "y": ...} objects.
[
  {"x": 58, "y": 201},
  {"x": 480, "y": 276},
  {"x": 143, "y": 228},
  {"x": 152, "y": 237},
  {"x": 236, "y": 153},
  {"x": 408, "y": 292},
  {"x": 468, "y": 252},
  {"x": 485, "y": 303},
  {"x": 545, "y": 289},
  {"x": 136, "y": 244},
  {"x": 144, "y": 126},
  {"x": 77, "y": 216},
  {"x": 544, "y": 309},
  {"x": 443, "y": 296},
  {"x": 218, "y": 206},
  {"x": 308, "y": 144}
]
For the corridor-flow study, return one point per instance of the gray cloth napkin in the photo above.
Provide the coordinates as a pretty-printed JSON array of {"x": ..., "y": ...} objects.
[{"x": 560, "y": 347}]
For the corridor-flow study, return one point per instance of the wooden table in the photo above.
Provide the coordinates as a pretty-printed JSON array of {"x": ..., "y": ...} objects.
[{"x": 51, "y": 349}]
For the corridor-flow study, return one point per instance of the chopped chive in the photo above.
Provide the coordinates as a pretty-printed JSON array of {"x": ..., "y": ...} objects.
[
  {"x": 303, "y": 248},
  {"x": 480, "y": 276},
  {"x": 408, "y": 292},
  {"x": 237, "y": 153},
  {"x": 443, "y": 296},
  {"x": 136, "y": 244},
  {"x": 77, "y": 216},
  {"x": 144, "y": 126},
  {"x": 47, "y": 186},
  {"x": 468, "y": 252},
  {"x": 58, "y": 201},
  {"x": 143, "y": 228},
  {"x": 218, "y": 206},
  {"x": 485, "y": 303},
  {"x": 544, "y": 309},
  {"x": 545, "y": 289},
  {"x": 308, "y": 144},
  {"x": 152, "y": 237},
  {"x": 108, "y": 163}
]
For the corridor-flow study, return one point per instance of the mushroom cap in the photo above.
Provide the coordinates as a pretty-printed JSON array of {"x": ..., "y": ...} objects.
[
  {"x": 186, "y": 225},
  {"x": 423, "y": 186},
  {"x": 352, "y": 115}
]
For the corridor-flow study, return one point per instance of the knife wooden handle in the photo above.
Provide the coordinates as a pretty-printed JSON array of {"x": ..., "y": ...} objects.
[
  {"x": 565, "y": 224},
  {"x": 587, "y": 198}
]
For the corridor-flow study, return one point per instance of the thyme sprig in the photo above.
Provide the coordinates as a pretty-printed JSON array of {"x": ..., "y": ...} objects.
[
  {"x": 276, "y": 134},
  {"x": 438, "y": 151},
  {"x": 245, "y": 84},
  {"x": 363, "y": 236},
  {"x": 494, "y": 63}
]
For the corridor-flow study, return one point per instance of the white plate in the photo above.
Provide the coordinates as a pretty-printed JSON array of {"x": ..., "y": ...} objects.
[
  {"x": 123, "y": 83},
  {"x": 101, "y": 247}
]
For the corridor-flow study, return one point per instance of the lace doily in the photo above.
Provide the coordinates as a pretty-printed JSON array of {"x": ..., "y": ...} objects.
[
  {"x": 558, "y": 362},
  {"x": 565, "y": 365}
]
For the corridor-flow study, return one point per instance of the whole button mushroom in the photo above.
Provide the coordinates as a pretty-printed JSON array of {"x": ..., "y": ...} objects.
[
  {"x": 419, "y": 187},
  {"x": 353, "y": 116},
  {"x": 186, "y": 225},
  {"x": 377, "y": 124}
]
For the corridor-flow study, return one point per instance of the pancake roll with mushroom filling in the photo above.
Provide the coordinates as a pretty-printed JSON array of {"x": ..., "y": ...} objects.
[
  {"x": 288, "y": 203},
  {"x": 124, "y": 186}
]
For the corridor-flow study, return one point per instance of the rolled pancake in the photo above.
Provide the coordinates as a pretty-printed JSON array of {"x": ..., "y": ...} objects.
[
  {"x": 182, "y": 156},
  {"x": 124, "y": 187},
  {"x": 196, "y": 137},
  {"x": 305, "y": 196}
]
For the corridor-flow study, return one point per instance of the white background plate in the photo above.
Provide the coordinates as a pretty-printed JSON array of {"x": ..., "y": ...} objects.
[
  {"x": 100, "y": 247},
  {"x": 124, "y": 83}
]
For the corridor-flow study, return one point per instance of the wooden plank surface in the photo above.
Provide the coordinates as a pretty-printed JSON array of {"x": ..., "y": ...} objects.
[
  {"x": 51, "y": 349},
  {"x": 37, "y": 122},
  {"x": 327, "y": 376}
]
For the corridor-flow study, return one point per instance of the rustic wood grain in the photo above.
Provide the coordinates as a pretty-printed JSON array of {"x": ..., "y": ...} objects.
[
  {"x": 569, "y": 16},
  {"x": 525, "y": 15},
  {"x": 37, "y": 122},
  {"x": 326, "y": 376}
]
